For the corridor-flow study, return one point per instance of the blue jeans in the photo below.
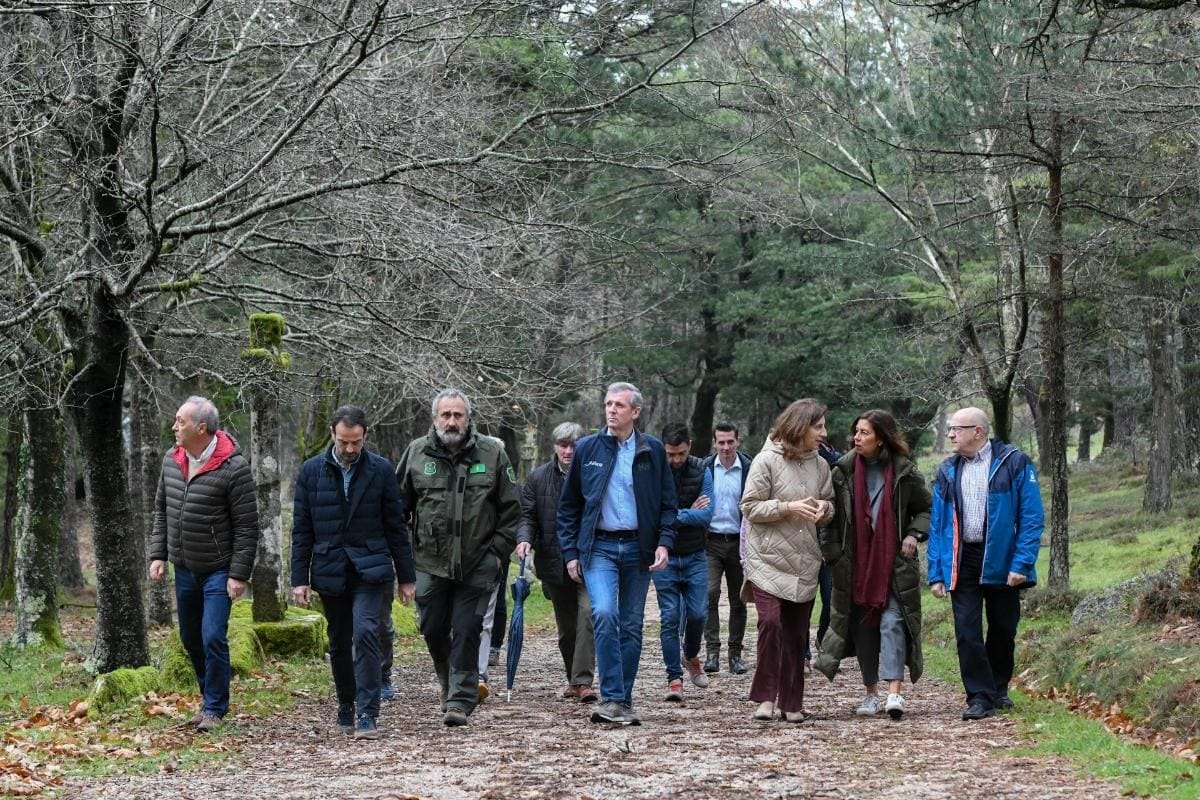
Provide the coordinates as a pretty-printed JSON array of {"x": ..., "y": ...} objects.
[
  {"x": 203, "y": 604},
  {"x": 355, "y": 652},
  {"x": 617, "y": 582},
  {"x": 683, "y": 602}
]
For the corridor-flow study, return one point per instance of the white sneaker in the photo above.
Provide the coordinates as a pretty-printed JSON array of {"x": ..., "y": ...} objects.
[
  {"x": 869, "y": 707},
  {"x": 895, "y": 706},
  {"x": 765, "y": 711}
]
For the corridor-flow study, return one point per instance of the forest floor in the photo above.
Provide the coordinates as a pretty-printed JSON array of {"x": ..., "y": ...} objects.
[{"x": 541, "y": 746}]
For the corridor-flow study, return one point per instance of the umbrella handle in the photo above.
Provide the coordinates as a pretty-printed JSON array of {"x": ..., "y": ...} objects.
[{"x": 521, "y": 572}]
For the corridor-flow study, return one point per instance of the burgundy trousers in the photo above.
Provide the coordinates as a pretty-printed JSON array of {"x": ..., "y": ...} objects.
[{"x": 782, "y": 642}]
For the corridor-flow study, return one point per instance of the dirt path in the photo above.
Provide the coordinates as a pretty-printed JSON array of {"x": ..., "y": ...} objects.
[{"x": 540, "y": 746}]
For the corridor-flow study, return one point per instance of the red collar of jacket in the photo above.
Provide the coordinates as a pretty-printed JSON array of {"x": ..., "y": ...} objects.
[{"x": 221, "y": 454}]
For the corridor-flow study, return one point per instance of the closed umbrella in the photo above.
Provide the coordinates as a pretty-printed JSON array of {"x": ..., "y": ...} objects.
[{"x": 516, "y": 625}]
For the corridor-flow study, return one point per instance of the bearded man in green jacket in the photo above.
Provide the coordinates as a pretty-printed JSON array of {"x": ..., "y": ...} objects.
[{"x": 465, "y": 505}]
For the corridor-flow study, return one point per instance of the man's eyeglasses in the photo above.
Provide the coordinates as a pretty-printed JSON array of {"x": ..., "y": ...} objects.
[{"x": 960, "y": 427}]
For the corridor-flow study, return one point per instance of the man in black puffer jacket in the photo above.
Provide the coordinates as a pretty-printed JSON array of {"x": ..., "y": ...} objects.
[
  {"x": 538, "y": 531},
  {"x": 206, "y": 524},
  {"x": 350, "y": 544}
]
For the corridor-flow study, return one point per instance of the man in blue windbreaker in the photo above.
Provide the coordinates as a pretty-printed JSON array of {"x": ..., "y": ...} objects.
[
  {"x": 984, "y": 534},
  {"x": 616, "y": 519}
]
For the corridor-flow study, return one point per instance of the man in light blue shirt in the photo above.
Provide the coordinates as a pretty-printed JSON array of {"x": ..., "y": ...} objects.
[{"x": 615, "y": 524}]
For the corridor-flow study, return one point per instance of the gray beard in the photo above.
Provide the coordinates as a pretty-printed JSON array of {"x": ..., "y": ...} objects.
[{"x": 451, "y": 439}]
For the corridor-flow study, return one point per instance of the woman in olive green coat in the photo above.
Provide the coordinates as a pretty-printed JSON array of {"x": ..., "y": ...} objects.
[{"x": 881, "y": 513}]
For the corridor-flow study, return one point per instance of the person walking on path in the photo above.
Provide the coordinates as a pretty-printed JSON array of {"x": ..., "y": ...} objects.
[
  {"x": 985, "y": 531},
  {"x": 788, "y": 493},
  {"x": 462, "y": 494},
  {"x": 682, "y": 586},
  {"x": 206, "y": 525},
  {"x": 881, "y": 513},
  {"x": 615, "y": 526},
  {"x": 350, "y": 545},
  {"x": 538, "y": 533},
  {"x": 727, "y": 469}
]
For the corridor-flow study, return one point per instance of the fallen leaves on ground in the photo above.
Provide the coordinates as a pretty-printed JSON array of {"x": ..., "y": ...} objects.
[{"x": 1117, "y": 721}]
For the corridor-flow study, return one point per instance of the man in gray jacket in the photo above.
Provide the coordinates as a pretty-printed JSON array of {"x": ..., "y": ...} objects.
[
  {"x": 206, "y": 524},
  {"x": 539, "y": 532}
]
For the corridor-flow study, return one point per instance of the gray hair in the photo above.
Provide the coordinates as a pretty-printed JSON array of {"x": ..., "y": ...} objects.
[
  {"x": 204, "y": 411},
  {"x": 568, "y": 432},
  {"x": 635, "y": 397},
  {"x": 449, "y": 392}
]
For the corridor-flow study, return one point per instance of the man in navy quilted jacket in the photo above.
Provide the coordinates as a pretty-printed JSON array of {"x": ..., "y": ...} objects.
[{"x": 350, "y": 544}]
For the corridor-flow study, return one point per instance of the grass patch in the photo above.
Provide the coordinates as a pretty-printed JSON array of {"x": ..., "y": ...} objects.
[
  {"x": 32, "y": 678},
  {"x": 1140, "y": 771}
]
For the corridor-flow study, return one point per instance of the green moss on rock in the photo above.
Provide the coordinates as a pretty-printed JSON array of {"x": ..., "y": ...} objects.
[
  {"x": 177, "y": 672},
  {"x": 245, "y": 651},
  {"x": 405, "y": 619},
  {"x": 120, "y": 686},
  {"x": 296, "y": 636}
]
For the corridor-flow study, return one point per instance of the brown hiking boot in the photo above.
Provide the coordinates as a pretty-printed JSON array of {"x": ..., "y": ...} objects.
[{"x": 209, "y": 722}]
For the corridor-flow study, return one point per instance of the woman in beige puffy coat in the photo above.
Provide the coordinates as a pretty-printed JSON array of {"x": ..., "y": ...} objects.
[{"x": 788, "y": 493}]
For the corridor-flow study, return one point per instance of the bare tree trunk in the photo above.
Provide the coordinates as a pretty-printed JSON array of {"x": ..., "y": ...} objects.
[
  {"x": 1124, "y": 409},
  {"x": 39, "y": 519},
  {"x": 267, "y": 580},
  {"x": 1189, "y": 374},
  {"x": 12, "y": 475},
  {"x": 145, "y": 462},
  {"x": 121, "y": 639},
  {"x": 1087, "y": 428},
  {"x": 1157, "y": 498},
  {"x": 1056, "y": 372},
  {"x": 70, "y": 571},
  {"x": 940, "y": 431},
  {"x": 1000, "y": 398},
  {"x": 1035, "y": 399}
]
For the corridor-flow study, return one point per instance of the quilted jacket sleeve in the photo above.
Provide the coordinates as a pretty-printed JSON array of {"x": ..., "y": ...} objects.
[{"x": 243, "y": 512}]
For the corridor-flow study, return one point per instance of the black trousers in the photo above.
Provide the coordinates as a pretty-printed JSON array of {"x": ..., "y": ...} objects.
[
  {"x": 986, "y": 664},
  {"x": 354, "y": 648},
  {"x": 724, "y": 559}
]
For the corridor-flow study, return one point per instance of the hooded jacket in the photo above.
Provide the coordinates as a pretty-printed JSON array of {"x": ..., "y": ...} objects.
[
  {"x": 1015, "y": 520},
  {"x": 210, "y": 522}
]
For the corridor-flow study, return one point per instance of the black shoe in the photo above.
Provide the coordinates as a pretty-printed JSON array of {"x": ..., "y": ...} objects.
[
  {"x": 1004, "y": 703},
  {"x": 977, "y": 710},
  {"x": 345, "y": 719},
  {"x": 713, "y": 663},
  {"x": 736, "y": 666}
]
